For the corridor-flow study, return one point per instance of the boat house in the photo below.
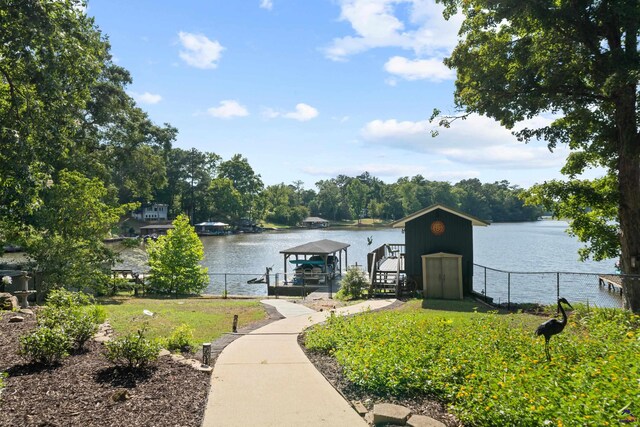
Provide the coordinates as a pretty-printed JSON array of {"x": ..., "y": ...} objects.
[
  {"x": 435, "y": 259},
  {"x": 155, "y": 229},
  {"x": 315, "y": 222},
  {"x": 315, "y": 261},
  {"x": 209, "y": 228}
]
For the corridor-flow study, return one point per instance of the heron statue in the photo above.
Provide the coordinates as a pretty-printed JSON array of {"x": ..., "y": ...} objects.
[{"x": 553, "y": 326}]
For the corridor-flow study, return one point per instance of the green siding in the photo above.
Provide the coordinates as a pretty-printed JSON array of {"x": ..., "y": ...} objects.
[{"x": 457, "y": 239}]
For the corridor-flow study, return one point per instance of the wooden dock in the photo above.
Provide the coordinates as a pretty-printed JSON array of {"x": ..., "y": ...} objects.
[{"x": 611, "y": 281}]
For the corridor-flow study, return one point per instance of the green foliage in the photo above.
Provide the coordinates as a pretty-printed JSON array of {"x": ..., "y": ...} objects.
[
  {"x": 174, "y": 260},
  {"x": 491, "y": 369},
  {"x": 46, "y": 345},
  {"x": 74, "y": 313},
  {"x": 77, "y": 215},
  {"x": 180, "y": 339},
  {"x": 133, "y": 350},
  {"x": 62, "y": 298},
  {"x": 352, "y": 284},
  {"x": 78, "y": 324},
  {"x": 64, "y": 325},
  {"x": 3, "y": 375}
]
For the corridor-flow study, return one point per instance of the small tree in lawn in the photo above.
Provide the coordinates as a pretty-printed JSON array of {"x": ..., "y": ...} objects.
[{"x": 174, "y": 260}]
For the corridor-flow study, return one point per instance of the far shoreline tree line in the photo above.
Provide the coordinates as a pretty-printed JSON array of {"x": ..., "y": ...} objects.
[{"x": 205, "y": 188}]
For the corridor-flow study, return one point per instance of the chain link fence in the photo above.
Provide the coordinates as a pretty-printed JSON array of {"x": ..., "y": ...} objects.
[
  {"x": 510, "y": 288},
  {"x": 271, "y": 284}
]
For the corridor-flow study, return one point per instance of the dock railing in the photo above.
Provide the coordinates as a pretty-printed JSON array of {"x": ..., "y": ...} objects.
[{"x": 514, "y": 288}]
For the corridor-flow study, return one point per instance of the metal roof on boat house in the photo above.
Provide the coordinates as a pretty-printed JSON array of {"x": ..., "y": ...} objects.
[{"x": 320, "y": 247}]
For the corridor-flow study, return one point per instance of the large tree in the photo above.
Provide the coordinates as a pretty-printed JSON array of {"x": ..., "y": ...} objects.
[
  {"x": 579, "y": 60},
  {"x": 50, "y": 57}
]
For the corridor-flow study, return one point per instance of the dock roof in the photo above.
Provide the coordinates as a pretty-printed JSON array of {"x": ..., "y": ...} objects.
[{"x": 320, "y": 247}]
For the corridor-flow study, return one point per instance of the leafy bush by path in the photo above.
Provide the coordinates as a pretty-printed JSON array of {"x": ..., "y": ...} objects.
[
  {"x": 133, "y": 350},
  {"x": 490, "y": 368},
  {"x": 73, "y": 312},
  {"x": 352, "y": 285},
  {"x": 46, "y": 345},
  {"x": 180, "y": 339}
]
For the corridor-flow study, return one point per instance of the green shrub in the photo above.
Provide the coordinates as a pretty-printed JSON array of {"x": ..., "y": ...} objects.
[
  {"x": 75, "y": 313},
  {"x": 490, "y": 369},
  {"x": 133, "y": 350},
  {"x": 180, "y": 339},
  {"x": 45, "y": 345},
  {"x": 78, "y": 324},
  {"x": 64, "y": 298},
  {"x": 352, "y": 284}
]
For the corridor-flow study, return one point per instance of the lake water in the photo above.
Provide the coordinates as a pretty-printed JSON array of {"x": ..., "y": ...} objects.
[{"x": 541, "y": 246}]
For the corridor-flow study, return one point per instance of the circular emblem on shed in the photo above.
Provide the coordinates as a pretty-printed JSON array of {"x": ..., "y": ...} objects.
[{"x": 437, "y": 228}]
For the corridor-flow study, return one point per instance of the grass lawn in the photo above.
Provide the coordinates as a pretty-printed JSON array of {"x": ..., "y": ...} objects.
[
  {"x": 489, "y": 367},
  {"x": 208, "y": 317}
]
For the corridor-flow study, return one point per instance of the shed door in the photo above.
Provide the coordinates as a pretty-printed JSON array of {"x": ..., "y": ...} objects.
[
  {"x": 433, "y": 283},
  {"x": 442, "y": 277},
  {"x": 450, "y": 278}
]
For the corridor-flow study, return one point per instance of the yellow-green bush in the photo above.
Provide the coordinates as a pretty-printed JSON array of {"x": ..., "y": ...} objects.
[{"x": 490, "y": 368}]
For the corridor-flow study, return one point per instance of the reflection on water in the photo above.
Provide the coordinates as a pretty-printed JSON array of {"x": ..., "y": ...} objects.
[{"x": 541, "y": 246}]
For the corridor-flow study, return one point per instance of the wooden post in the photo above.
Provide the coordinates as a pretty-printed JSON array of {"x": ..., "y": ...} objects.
[
  {"x": 235, "y": 323},
  {"x": 206, "y": 354}
]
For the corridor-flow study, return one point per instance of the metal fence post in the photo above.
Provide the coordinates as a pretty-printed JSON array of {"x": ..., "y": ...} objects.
[
  {"x": 486, "y": 297},
  {"x": 558, "y": 289},
  {"x": 276, "y": 289},
  {"x": 225, "y": 285},
  {"x": 326, "y": 278},
  {"x": 508, "y": 291}
]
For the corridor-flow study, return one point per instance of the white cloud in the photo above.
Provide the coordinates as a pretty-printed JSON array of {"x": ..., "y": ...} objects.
[
  {"x": 266, "y": 4},
  {"x": 146, "y": 98},
  {"x": 419, "y": 69},
  {"x": 381, "y": 23},
  {"x": 477, "y": 141},
  {"x": 228, "y": 109},
  {"x": 199, "y": 51},
  {"x": 302, "y": 113}
]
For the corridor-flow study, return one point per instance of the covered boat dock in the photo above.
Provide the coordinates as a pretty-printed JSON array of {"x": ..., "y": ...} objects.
[{"x": 325, "y": 255}]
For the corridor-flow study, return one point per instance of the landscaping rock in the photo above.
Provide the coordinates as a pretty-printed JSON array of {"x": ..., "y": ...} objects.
[
  {"x": 388, "y": 413},
  {"x": 204, "y": 368},
  {"x": 360, "y": 408},
  {"x": 423, "y": 421},
  {"x": 16, "y": 319},
  {"x": 26, "y": 311},
  {"x": 164, "y": 352},
  {"x": 8, "y": 302},
  {"x": 369, "y": 418}
]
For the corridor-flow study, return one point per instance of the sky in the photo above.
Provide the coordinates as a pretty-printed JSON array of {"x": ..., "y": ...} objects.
[{"x": 309, "y": 89}]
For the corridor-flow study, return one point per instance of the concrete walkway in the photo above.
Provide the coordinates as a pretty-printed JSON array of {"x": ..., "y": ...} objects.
[{"x": 265, "y": 379}]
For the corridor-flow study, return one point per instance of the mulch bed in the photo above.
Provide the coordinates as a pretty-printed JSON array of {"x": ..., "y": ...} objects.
[
  {"x": 420, "y": 405},
  {"x": 87, "y": 390}
]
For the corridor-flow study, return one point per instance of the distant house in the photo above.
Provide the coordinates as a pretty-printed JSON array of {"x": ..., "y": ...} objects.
[
  {"x": 315, "y": 222},
  {"x": 155, "y": 229},
  {"x": 153, "y": 212}
]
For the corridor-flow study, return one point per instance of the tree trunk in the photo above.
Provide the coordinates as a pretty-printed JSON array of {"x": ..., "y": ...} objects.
[{"x": 629, "y": 204}]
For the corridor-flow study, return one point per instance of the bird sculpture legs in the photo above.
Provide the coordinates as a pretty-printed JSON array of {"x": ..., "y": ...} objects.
[{"x": 546, "y": 349}]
